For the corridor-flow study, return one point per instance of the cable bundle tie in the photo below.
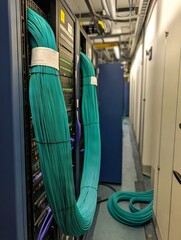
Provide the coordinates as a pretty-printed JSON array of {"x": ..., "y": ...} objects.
[
  {"x": 43, "y": 56},
  {"x": 93, "y": 80},
  {"x": 41, "y": 142},
  {"x": 88, "y": 85},
  {"x": 88, "y": 124},
  {"x": 88, "y": 187},
  {"x": 63, "y": 209},
  {"x": 53, "y": 74},
  {"x": 82, "y": 77}
]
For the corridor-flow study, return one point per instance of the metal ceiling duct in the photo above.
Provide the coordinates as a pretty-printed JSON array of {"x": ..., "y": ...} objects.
[
  {"x": 111, "y": 5},
  {"x": 105, "y": 7},
  {"x": 91, "y": 8},
  {"x": 142, "y": 11},
  {"x": 110, "y": 8},
  {"x": 93, "y": 14},
  {"x": 130, "y": 2},
  {"x": 111, "y": 35},
  {"x": 107, "y": 54}
]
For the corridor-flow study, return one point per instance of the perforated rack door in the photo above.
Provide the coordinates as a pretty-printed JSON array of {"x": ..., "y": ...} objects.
[{"x": 37, "y": 204}]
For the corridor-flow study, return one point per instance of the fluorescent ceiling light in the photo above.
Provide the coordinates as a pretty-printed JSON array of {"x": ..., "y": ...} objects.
[
  {"x": 116, "y": 52},
  {"x": 98, "y": 41},
  {"x": 107, "y": 40}
]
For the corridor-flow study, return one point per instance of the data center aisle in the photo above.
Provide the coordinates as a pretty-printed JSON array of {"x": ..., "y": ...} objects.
[{"x": 106, "y": 228}]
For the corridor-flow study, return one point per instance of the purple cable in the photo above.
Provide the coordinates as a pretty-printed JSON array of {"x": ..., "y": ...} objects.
[
  {"x": 79, "y": 129},
  {"x": 72, "y": 140},
  {"x": 42, "y": 226},
  {"x": 46, "y": 227},
  {"x": 37, "y": 177},
  {"x": 42, "y": 234}
]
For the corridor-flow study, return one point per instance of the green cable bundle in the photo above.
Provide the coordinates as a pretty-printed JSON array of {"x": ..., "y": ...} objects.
[
  {"x": 136, "y": 217},
  {"x": 53, "y": 138}
]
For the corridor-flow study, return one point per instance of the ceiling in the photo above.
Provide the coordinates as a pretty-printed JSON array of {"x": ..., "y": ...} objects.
[
  {"x": 79, "y": 6},
  {"x": 122, "y": 29}
]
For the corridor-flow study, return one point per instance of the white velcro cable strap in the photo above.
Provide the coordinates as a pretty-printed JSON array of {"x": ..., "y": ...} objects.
[
  {"x": 45, "y": 57},
  {"x": 93, "y": 81}
]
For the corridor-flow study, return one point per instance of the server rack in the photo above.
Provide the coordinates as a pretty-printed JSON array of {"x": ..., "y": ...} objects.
[
  {"x": 81, "y": 143},
  {"x": 25, "y": 211},
  {"x": 94, "y": 59},
  {"x": 28, "y": 203},
  {"x": 64, "y": 28},
  {"x": 78, "y": 114},
  {"x": 85, "y": 47},
  {"x": 37, "y": 205},
  {"x": 64, "y": 24}
]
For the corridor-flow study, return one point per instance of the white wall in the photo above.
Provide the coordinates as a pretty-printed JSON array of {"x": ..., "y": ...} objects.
[
  {"x": 160, "y": 52},
  {"x": 168, "y": 122},
  {"x": 161, "y": 112},
  {"x": 135, "y": 91},
  {"x": 145, "y": 90},
  {"x": 150, "y": 90}
]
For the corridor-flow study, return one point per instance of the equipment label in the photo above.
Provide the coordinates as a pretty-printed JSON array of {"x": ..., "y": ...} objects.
[
  {"x": 62, "y": 16},
  {"x": 45, "y": 57},
  {"x": 93, "y": 81},
  {"x": 70, "y": 29}
]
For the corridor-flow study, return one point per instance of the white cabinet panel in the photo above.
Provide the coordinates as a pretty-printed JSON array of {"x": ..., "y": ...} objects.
[
  {"x": 155, "y": 37},
  {"x": 149, "y": 88},
  {"x": 138, "y": 107},
  {"x": 167, "y": 136},
  {"x": 170, "y": 91},
  {"x": 159, "y": 55},
  {"x": 175, "y": 218},
  {"x": 135, "y": 91},
  {"x": 162, "y": 17}
]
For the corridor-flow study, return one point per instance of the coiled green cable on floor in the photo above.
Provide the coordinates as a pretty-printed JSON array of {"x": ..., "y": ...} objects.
[
  {"x": 53, "y": 138},
  {"x": 136, "y": 217}
]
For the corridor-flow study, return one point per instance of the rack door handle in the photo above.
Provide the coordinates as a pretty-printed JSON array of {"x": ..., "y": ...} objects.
[{"x": 177, "y": 176}]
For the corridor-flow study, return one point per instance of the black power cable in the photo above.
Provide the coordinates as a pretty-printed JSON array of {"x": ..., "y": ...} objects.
[{"x": 109, "y": 186}]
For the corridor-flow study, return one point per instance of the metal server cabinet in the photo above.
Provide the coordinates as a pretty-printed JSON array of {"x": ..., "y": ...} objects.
[
  {"x": 95, "y": 60},
  {"x": 64, "y": 28},
  {"x": 63, "y": 23},
  {"x": 111, "y": 105},
  {"x": 85, "y": 47},
  {"x": 67, "y": 32},
  {"x": 37, "y": 204},
  {"x": 126, "y": 99}
]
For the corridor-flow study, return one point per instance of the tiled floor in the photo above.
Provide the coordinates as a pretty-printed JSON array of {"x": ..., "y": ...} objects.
[{"x": 106, "y": 227}]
